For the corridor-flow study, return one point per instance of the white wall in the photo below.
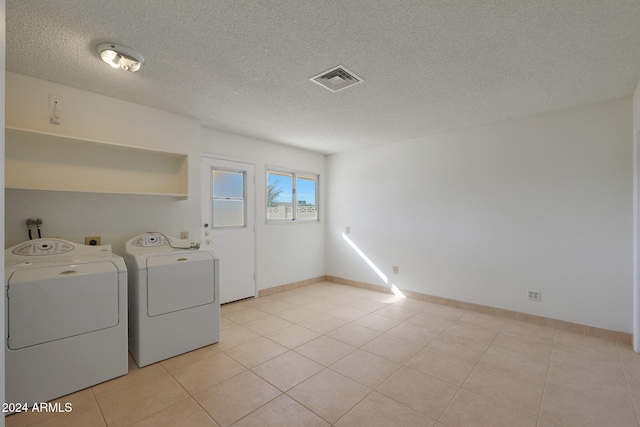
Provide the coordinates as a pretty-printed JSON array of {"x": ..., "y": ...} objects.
[
  {"x": 479, "y": 215},
  {"x": 636, "y": 220},
  {"x": 117, "y": 218},
  {"x": 2, "y": 108},
  {"x": 636, "y": 108},
  {"x": 287, "y": 252},
  {"x": 485, "y": 214}
]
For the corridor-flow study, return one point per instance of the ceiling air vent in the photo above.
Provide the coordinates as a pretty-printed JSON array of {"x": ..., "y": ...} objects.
[{"x": 336, "y": 79}]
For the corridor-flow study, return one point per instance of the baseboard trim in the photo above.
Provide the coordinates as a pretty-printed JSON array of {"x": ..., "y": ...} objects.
[
  {"x": 562, "y": 325},
  {"x": 606, "y": 334},
  {"x": 289, "y": 286}
]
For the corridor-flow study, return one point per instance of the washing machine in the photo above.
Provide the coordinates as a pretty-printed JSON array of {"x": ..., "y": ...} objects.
[
  {"x": 65, "y": 318},
  {"x": 174, "y": 303}
]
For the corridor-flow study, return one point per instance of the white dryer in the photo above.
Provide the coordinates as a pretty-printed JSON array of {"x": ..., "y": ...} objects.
[
  {"x": 65, "y": 318},
  {"x": 174, "y": 304}
]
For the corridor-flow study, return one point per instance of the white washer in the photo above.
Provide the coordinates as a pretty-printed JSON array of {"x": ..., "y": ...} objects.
[
  {"x": 65, "y": 318},
  {"x": 174, "y": 304}
]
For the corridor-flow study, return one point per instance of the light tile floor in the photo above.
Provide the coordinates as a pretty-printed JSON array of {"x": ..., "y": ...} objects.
[{"x": 334, "y": 355}]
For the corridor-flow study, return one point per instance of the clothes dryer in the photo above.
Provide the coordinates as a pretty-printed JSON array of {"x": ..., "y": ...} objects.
[
  {"x": 174, "y": 304},
  {"x": 66, "y": 318}
]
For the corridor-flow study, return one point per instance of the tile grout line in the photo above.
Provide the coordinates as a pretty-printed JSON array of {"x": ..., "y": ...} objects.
[
  {"x": 402, "y": 365},
  {"x": 460, "y": 387},
  {"x": 311, "y": 410},
  {"x": 633, "y": 403},
  {"x": 130, "y": 385},
  {"x": 426, "y": 346},
  {"x": 356, "y": 349},
  {"x": 261, "y": 406},
  {"x": 305, "y": 406},
  {"x": 98, "y": 405},
  {"x": 325, "y": 367},
  {"x": 546, "y": 379},
  {"x": 629, "y": 384},
  {"x": 192, "y": 396}
]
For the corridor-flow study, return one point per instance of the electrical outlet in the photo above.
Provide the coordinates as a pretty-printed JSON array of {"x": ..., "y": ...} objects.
[
  {"x": 395, "y": 269},
  {"x": 184, "y": 235},
  {"x": 347, "y": 230},
  {"x": 533, "y": 295},
  {"x": 92, "y": 240}
]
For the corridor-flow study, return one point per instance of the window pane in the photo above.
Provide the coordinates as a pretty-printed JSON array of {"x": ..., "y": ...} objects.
[
  {"x": 228, "y": 213},
  {"x": 306, "y": 198},
  {"x": 279, "y": 195},
  {"x": 228, "y": 184}
]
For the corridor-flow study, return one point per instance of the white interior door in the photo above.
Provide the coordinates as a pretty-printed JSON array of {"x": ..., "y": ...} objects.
[{"x": 228, "y": 224}]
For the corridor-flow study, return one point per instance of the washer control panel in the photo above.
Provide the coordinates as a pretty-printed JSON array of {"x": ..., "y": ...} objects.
[
  {"x": 43, "y": 247},
  {"x": 150, "y": 240}
]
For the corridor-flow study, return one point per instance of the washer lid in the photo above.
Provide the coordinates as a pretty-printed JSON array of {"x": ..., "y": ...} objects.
[
  {"x": 41, "y": 247},
  {"x": 50, "y": 251}
]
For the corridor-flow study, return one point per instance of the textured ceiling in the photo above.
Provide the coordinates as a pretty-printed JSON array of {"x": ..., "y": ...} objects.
[{"x": 428, "y": 66}]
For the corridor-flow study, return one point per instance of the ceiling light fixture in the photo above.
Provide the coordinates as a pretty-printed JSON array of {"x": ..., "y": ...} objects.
[{"x": 119, "y": 56}]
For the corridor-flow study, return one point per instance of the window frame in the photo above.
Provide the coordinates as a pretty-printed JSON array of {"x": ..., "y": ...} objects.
[
  {"x": 243, "y": 199},
  {"x": 295, "y": 175}
]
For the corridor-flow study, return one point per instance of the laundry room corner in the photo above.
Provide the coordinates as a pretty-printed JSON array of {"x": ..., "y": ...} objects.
[
  {"x": 117, "y": 206},
  {"x": 119, "y": 200}
]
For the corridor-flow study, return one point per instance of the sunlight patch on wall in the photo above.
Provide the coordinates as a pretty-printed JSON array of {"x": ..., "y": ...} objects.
[{"x": 375, "y": 268}]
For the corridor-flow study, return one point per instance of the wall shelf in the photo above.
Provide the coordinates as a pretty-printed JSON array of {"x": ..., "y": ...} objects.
[{"x": 42, "y": 161}]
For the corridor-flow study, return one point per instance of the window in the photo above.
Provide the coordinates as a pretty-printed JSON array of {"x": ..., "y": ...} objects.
[
  {"x": 228, "y": 198},
  {"x": 292, "y": 196}
]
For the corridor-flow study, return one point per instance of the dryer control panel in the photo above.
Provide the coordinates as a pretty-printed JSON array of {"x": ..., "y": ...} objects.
[
  {"x": 150, "y": 240},
  {"x": 43, "y": 247}
]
